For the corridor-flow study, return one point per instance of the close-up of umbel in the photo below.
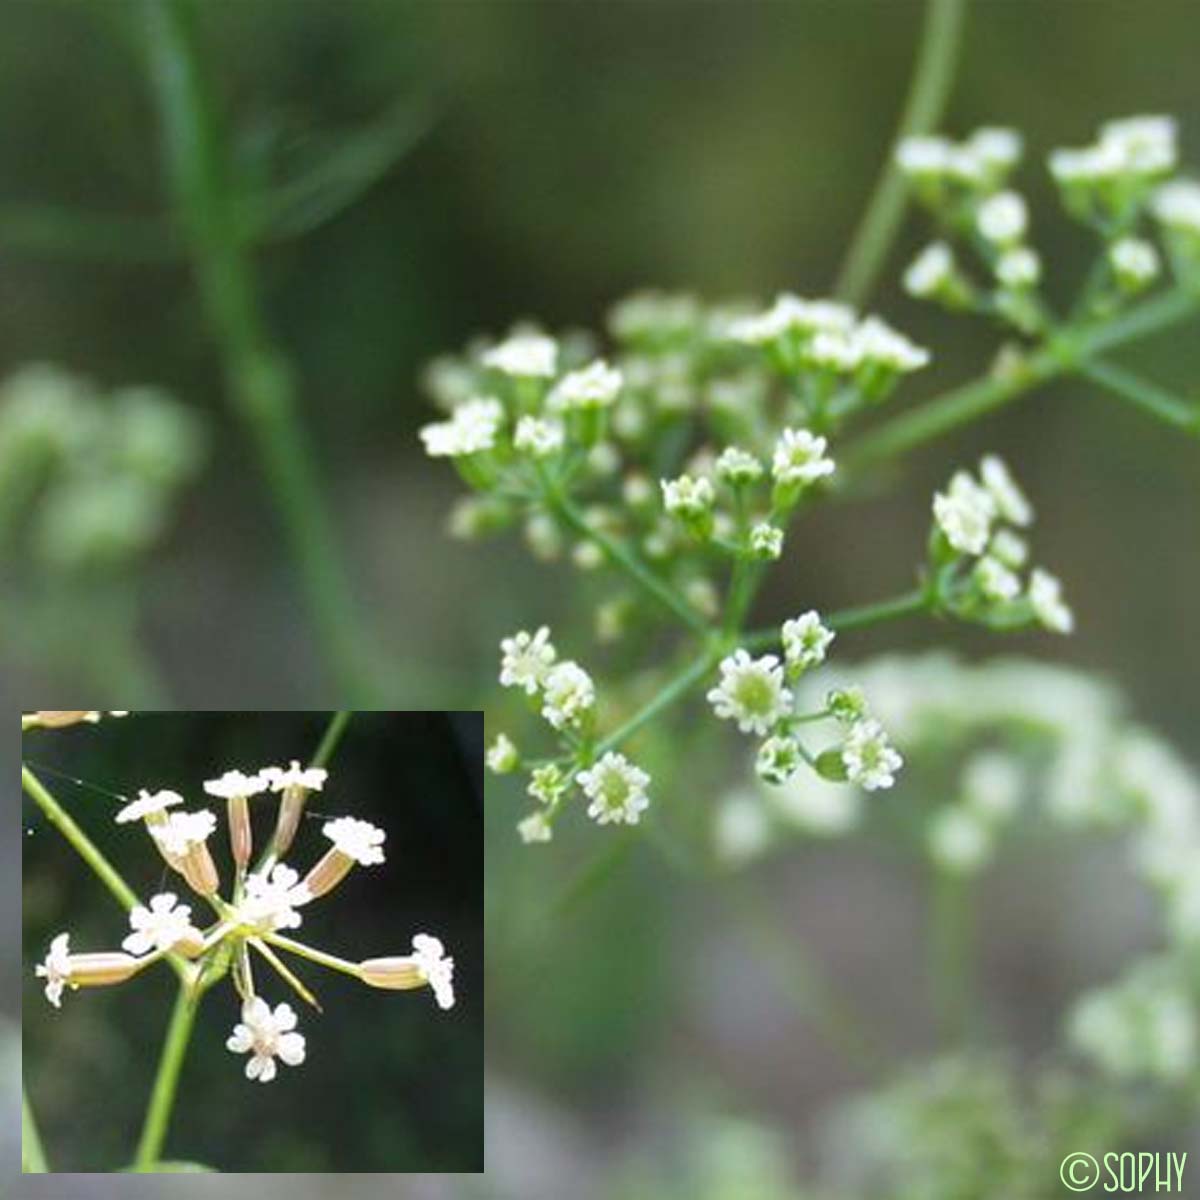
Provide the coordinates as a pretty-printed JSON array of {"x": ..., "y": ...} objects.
[{"x": 755, "y": 446}]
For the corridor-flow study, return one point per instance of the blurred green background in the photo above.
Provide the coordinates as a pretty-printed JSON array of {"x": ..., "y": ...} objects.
[
  {"x": 390, "y": 1082},
  {"x": 568, "y": 153}
]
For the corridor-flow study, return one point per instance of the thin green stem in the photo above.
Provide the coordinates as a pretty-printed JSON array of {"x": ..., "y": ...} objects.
[
  {"x": 929, "y": 89},
  {"x": 313, "y": 955},
  {"x": 674, "y": 691},
  {"x": 259, "y": 379},
  {"x": 624, "y": 558},
  {"x": 950, "y": 946},
  {"x": 286, "y": 973},
  {"x": 907, "y": 605},
  {"x": 166, "y": 1082},
  {"x": 33, "y": 1157},
  {"x": 963, "y": 404},
  {"x": 1144, "y": 395},
  {"x": 333, "y": 735}
]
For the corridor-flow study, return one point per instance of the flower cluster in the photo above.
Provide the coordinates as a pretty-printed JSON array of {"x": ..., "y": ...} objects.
[
  {"x": 265, "y": 899},
  {"x": 976, "y": 555}
]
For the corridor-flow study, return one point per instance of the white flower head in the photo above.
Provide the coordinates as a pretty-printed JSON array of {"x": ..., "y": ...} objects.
[
  {"x": 360, "y": 840},
  {"x": 271, "y": 901},
  {"x": 617, "y": 790},
  {"x": 438, "y": 970},
  {"x": 805, "y": 640},
  {"x": 800, "y": 458},
  {"x": 924, "y": 155},
  {"x": 751, "y": 692},
  {"x": 162, "y": 926},
  {"x": 535, "y": 828},
  {"x": 1002, "y": 218},
  {"x": 539, "y": 437},
  {"x": 525, "y": 660},
  {"x": 547, "y": 783},
  {"x": 234, "y": 784},
  {"x": 594, "y": 386},
  {"x": 311, "y": 779},
  {"x": 1177, "y": 205},
  {"x": 778, "y": 759},
  {"x": 181, "y": 831},
  {"x": 688, "y": 496},
  {"x": 502, "y": 755},
  {"x": 931, "y": 271},
  {"x": 876, "y": 343},
  {"x": 1134, "y": 261},
  {"x": 737, "y": 466},
  {"x": 1011, "y": 503},
  {"x": 996, "y": 581},
  {"x": 996, "y": 147},
  {"x": 1146, "y": 145},
  {"x": 56, "y": 969},
  {"x": 1009, "y": 548},
  {"x": 568, "y": 694},
  {"x": 869, "y": 757},
  {"x": 1019, "y": 268},
  {"x": 147, "y": 804},
  {"x": 525, "y": 355},
  {"x": 964, "y": 513},
  {"x": 766, "y": 541},
  {"x": 471, "y": 429},
  {"x": 266, "y": 1036},
  {"x": 1045, "y": 596}
]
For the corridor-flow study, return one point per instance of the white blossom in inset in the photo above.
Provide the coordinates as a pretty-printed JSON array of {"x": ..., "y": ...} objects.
[
  {"x": 524, "y": 355},
  {"x": 1002, "y": 218},
  {"x": 799, "y": 458},
  {"x": 266, "y": 1036},
  {"x": 148, "y": 805},
  {"x": 924, "y": 155},
  {"x": 778, "y": 759},
  {"x": 766, "y": 541},
  {"x": 875, "y": 342},
  {"x": 471, "y": 429},
  {"x": 931, "y": 271},
  {"x": 502, "y": 756},
  {"x": 270, "y": 903},
  {"x": 568, "y": 694},
  {"x": 56, "y": 969},
  {"x": 805, "y": 640},
  {"x": 964, "y": 513},
  {"x": 1011, "y": 502},
  {"x": 539, "y": 437},
  {"x": 1045, "y": 596},
  {"x": 869, "y": 757},
  {"x": 1134, "y": 261},
  {"x": 617, "y": 790},
  {"x": 162, "y": 926},
  {"x": 431, "y": 961},
  {"x": 737, "y": 466},
  {"x": 359, "y": 840},
  {"x": 996, "y": 147},
  {"x": 687, "y": 496},
  {"x": 1146, "y": 145},
  {"x": 535, "y": 828},
  {"x": 1019, "y": 268},
  {"x": 1009, "y": 548},
  {"x": 234, "y": 785},
  {"x": 751, "y": 692},
  {"x": 594, "y": 386},
  {"x": 996, "y": 581},
  {"x": 525, "y": 660},
  {"x": 547, "y": 783},
  {"x": 1177, "y": 205}
]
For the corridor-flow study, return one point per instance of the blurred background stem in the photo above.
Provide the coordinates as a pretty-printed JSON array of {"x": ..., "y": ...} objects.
[
  {"x": 259, "y": 379},
  {"x": 932, "y": 78},
  {"x": 33, "y": 1157},
  {"x": 162, "y": 1098},
  {"x": 950, "y": 945}
]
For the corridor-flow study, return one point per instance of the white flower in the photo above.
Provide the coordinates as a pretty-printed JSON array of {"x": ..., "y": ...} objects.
[
  {"x": 792, "y": 313},
  {"x": 964, "y": 513},
  {"x": 800, "y": 457},
  {"x": 996, "y": 581},
  {"x": 594, "y": 386},
  {"x": 869, "y": 758},
  {"x": 930, "y": 272},
  {"x": 181, "y": 831},
  {"x": 311, "y": 779},
  {"x": 751, "y": 692},
  {"x": 1002, "y": 218},
  {"x": 766, "y": 541},
  {"x": 687, "y": 496},
  {"x": 1045, "y": 595},
  {"x": 436, "y": 967},
  {"x": 547, "y": 783},
  {"x": 1011, "y": 503},
  {"x": 535, "y": 828},
  {"x": 266, "y": 1036},
  {"x": 271, "y": 903},
  {"x": 525, "y": 660},
  {"x": 502, "y": 756},
  {"x": 1086, "y": 166},
  {"x": 148, "y": 804},
  {"x": 737, "y": 466},
  {"x": 779, "y": 758},
  {"x": 959, "y": 841},
  {"x": 539, "y": 437},
  {"x": 1177, "y": 205},
  {"x": 359, "y": 840},
  {"x": 472, "y": 428},
  {"x": 526, "y": 355},
  {"x": 1019, "y": 268},
  {"x": 996, "y": 146},
  {"x": 567, "y": 695},
  {"x": 1134, "y": 261},
  {"x": 1009, "y": 548},
  {"x": 924, "y": 155},
  {"x": 56, "y": 970},
  {"x": 162, "y": 926},
  {"x": 617, "y": 790},
  {"x": 1145, "y": 145},
  {"x": 806, "y": 640},
  {"x": 234, "y": 784},
  {"x": 875, "y": 341},
  {"x": 834, "y": 350}
]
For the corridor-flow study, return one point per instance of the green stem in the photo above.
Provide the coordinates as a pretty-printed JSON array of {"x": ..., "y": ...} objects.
[
  {"x": 672, "y": 692},
  {"x": 333, "y": 734},
  {"x": 259, "y": 380},
  {"x": 907, "y": 605},
  {"x": 641, "y": 574},
  {"x": 33, "y": 1157},
  {"x": 1144, "y": 394},
  {"x": 950, "y": 944},
  {"x": 933, "y": 74},
  {"x": 162, "y": 1098},
  {"x": 313, "y": 955},
  {"x": 964, "y": 404}
]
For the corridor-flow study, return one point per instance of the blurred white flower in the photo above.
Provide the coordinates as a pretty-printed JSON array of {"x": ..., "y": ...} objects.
[
  {"x": 617, "y": 790},
  {"x": 525, "y": 660}
]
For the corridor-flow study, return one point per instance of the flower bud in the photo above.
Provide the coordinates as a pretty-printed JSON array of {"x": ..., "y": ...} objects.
[
  {"x": 831, "y": 766},
  {"x": 198, "y": 868},
  {"x": 399, "y": 974},
  {"x": 328, "y": 872},
  {"x": 240, "y": 836},
  {"x": 102, "y": 969}
]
